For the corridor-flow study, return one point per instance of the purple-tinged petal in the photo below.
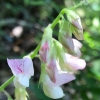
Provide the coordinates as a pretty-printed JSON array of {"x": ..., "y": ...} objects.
[
  {"x": 51, "y": 70},
  {"x": 66, "y": 41},
  {"x": 16, "y": 65},
  {"x": 77, "y": 23},
  {"x": 75, "y": 62},
  {"x": 28, "y": 66},
  {"x": 44, "y": 51},
  {"x": 76, "y": 52},
  {"x": 62, "y": 77}
]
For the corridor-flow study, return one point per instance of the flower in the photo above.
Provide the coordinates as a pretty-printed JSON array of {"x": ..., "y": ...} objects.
[
  {"x": 22, "y": 70},
  {"x": 76, "y": 25},
  {"x": 74, "y": 19},
  {"x": 52, "y": 89},
  {"x": 65, "y": 35},
  {"x": 46, "y": 44},
  {"x": 74, "y": 63}
]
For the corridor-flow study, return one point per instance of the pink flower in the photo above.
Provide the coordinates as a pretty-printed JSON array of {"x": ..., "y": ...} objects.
[
  {"x": 22, "y": 70},
  {"x": 74, "y": 19},
  {"x": 52, "y": 89},
  {"x": 75, "y": 63},
  {"x": 72, "y": 63}
]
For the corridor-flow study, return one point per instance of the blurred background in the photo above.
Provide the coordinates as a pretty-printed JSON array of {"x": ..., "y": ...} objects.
[{"x": 21, "y": 28}]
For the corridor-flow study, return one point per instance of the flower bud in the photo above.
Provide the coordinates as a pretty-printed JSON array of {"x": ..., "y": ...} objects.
[
  {"x": 46, "y": 43},
  {"x": 74, "y": 19},
  {"x": 65, "y": 35}
]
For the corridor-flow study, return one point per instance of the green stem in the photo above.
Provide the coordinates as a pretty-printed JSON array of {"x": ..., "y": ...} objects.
[
  {"x": 64, "y": 11},
  {"x": 6, "y": 83},
  {"x": 34, "y": 53},
  {"x": 78, "y": 5},
  {"x": 58, "y": 18}
]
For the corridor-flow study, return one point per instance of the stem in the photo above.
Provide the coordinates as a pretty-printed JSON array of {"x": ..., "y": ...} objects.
[
  {"x": 6, "y": 83},
  {"x": 58, "y": 18},
  {"x": 78, "y": 5},
  {"x": 64, "y": 11},
  {"x": 33, "y": 53}
]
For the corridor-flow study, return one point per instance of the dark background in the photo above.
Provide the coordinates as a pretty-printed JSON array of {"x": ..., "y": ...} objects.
[{"x": 29, "y": 18}]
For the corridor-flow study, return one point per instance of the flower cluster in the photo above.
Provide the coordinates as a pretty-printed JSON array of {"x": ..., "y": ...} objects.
[{"x": 60, "y": 59}]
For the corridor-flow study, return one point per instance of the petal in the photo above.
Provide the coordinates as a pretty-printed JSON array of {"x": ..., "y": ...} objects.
[
  {"x": 45, "y": 48},
  {"x": 17, "y": 84},
  {"x": 61, "y": 77},
  {"x": 76, "y": 52},
  {"x": 66, "y": 41},
  {"x": 28, "y": 66},
  {"x": 51, "y": 69},
  {"x": 77, "y": 23},
  {"x": 75, "y": 62},
  {"x": 53, "y": 92},
  {"x": 15, "y": 65},
  {"x": 23, "y": 80},
  {"x": 77, "y": 43}
]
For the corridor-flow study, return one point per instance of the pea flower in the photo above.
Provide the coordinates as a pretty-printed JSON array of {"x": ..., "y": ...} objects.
[
  {"x": 22, "y": 70},
  {"x": 74, "y": 63},
  {"x": 46, "y": 44},
  {"x": 53, "y": 89},
  {"x": 76, "y": 25},
  {"x": 74, "y": 19},
  {"x": 65, "y": 35}
]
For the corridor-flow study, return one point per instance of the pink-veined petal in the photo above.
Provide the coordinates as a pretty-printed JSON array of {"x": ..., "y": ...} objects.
[{"x": 16, "y": 65}]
